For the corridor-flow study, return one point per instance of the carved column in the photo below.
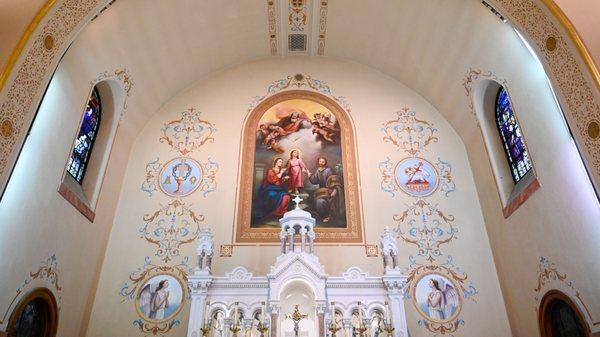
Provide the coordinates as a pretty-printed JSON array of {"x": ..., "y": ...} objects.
[
  {"x": 347, "y": 324},
  {"x": 303, "y": 239},
  {"x": 274, "y": 320},
  {"x": 292, "y": 234},
  {"x": 321, "y": 319},
  {"x": 198, "y": 285},
  {"x": 283, "y": 237},
  {"x": 395, "y": 285}
]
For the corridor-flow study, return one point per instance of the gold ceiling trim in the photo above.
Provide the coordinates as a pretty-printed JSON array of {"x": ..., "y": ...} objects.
[
  {"x": 572, "y": 32},
  {"x": 16, "y": 53},
  {"x": 551, "y": 5}
]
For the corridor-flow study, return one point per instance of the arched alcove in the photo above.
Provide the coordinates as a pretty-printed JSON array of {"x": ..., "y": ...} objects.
[
  {"x": 559, "y": 316},
  {"x": 36, "y": 315}
]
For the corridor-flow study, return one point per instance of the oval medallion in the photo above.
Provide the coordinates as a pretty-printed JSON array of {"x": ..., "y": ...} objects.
[
  {"x": 416, "y": 177},
  {"x": 180, "y": 177}
]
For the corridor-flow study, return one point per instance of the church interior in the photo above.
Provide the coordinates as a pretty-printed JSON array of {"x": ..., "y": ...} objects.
[{"x": 291, "y": 168}]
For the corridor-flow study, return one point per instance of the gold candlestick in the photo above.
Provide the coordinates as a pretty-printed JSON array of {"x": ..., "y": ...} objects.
[
  {"x": 389, "y": 328},
  {"x": 234, "y": 329},
  {"x": 333, "y": 328},
  {"x": 262, "y": 328},
  {"x": 361, "y": 330},
  {"x": 205, "y": 329}
]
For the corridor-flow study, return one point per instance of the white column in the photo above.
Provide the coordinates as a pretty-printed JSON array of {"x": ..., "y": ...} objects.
[
  {"x": 292, "y": 233},
  {"x": 303, "y": 239},
  {"x": 199, "y": 292},
  {"x": 395, "y": 285}
]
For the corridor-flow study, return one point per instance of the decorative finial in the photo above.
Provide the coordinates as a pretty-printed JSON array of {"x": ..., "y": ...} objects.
[{"x": 297, "y": 200}]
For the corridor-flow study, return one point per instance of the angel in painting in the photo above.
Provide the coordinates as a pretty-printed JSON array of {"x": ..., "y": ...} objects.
[
  {"x": 441, "y": 303},
  {"x": 154, "y": 299}
]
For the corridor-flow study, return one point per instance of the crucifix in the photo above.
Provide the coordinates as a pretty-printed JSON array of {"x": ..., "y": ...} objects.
[
  {"x": 296, "y": 316},
  {"x": 297, "y": 200}
]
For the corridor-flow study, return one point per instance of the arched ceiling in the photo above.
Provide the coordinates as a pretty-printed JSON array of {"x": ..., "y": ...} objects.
[{"x": 167, "y": 46}]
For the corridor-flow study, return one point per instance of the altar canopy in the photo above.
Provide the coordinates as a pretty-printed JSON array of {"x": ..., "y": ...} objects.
[{"x": 297, "y": 297}]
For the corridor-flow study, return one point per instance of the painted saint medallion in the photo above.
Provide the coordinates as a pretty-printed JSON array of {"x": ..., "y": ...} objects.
[
  {"x": 160, "y": 298},
  {"x": 416, "y": 177},
  {"x": 436, "y": 298},
  {"x": 180, "y": 177}
]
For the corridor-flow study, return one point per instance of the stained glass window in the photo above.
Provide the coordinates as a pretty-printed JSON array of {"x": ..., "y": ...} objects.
[
  {"x": 512, "y": 138},
  {"x": 88, "y": 131}
]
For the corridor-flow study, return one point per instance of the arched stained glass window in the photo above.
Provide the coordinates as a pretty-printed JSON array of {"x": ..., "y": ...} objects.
[
  {"x": 88, "y": 131},
  {"x": 512, "y": 138}
]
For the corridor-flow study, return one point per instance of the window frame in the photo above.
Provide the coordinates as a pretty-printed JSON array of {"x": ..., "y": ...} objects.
[
  {"x": 505, "y": 146},
  {"x": 91, "y": 148}
]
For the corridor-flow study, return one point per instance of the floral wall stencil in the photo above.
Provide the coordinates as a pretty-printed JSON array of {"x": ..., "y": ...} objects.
[
  {"x": 423, "y": 223},
  {"x": 409, "y": 133},
  {"x": 549, "y": 277},
  {"x": 299, "y": 81},
  {"x": 189, "y": 133},
  {"x": 48, "y": 273},
  {"x": 173, "y": 223},
  {"x": 427, "y": 227},
  {"x": 169, "y": 227}
]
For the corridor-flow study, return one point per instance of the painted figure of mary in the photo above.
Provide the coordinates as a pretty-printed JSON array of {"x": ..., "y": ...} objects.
[
  {"x": 272, "y": 197},
  {"x": 296, "y": 169}
]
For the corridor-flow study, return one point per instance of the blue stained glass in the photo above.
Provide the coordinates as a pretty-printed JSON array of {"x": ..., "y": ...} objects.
[
  {"x": 512, "y": 138},
  {"x": 84, "y": 142}
]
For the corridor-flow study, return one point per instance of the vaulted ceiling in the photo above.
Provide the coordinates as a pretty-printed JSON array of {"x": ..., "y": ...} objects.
[{"x": 167, "y": 46}]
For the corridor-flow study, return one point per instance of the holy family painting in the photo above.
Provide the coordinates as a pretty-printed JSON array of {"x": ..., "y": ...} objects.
[{"x": 299, "y": 144}]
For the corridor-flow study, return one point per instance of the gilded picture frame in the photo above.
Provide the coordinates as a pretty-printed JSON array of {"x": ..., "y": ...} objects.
[{"x": 353, "y": 233}]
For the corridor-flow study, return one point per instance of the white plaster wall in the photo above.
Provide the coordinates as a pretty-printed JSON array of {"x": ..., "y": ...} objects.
[
  {"x": 224, "y": 99},
  {"x": 37, "y": 222}
]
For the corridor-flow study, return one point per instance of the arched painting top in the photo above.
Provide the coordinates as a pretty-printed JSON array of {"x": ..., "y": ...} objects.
[{"x": 298, "y": 142}]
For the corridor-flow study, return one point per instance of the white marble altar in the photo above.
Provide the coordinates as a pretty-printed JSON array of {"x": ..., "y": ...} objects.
[{"x": 296, "y": 277}]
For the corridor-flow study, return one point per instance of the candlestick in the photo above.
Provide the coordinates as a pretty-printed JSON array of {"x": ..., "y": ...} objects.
[
  {"x": 359, "y": 314},
  {"x": 262, "y": 328},
  {"x": 235, "y": 313},
  {"x": 388, "y": 314},
  {"x": 262, "y": 313},
  {"x": 206, "y": 312},
  {"x": 333, "y": 328},
  {"x": 389, "y": 328},
  {"x": 332, "y": 310},
  {"x": 205, "y": 329},
  {"x": 235, "y": 328}
]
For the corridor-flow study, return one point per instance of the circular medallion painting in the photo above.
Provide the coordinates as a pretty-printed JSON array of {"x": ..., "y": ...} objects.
[
  {"x": 160, "y": 298},
  {"x": 436, "y": 298},
  {"x": 416, "y": 176},
  {"x": 180, "y": 177}
]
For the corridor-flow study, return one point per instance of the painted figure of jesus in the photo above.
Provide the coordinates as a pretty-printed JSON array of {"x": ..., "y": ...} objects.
[{"x": 296, "y": 169}]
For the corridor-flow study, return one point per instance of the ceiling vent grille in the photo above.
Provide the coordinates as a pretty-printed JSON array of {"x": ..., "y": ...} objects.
[{"x": 297, "y": 42}]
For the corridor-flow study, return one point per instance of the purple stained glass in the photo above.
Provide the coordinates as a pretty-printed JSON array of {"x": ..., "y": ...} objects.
[
  {"x": 90, "y": 123},
  {"x": 512, "y": 138}
]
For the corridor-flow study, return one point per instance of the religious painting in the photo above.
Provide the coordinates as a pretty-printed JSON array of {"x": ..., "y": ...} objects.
[
  {"x": 416, "y": 177},
  {"x": 180, "y": 177},
  {"x": 299, "y": 143},
  {"x": 160, "y": 298},
  {"x": 436, "y": 298}
]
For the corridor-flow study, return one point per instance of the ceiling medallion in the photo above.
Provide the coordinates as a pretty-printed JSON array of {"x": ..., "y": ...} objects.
[
  {"x": 551, "y": 43},
  {"x": 6, "y": 128},
  {"x": 49, "y": 42},
  {"x": 593, "y": 130}
]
